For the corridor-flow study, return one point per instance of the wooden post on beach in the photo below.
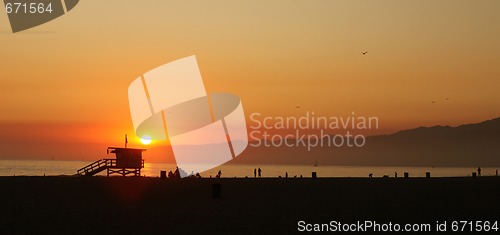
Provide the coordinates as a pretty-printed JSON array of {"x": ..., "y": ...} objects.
[
  {"x": 407, "y": 175},
  {"x": 216, "y": 190},
  {"x": 314, "y": 174},
  {"x": 163, "y": 174},
  {"x": 427, "y": 175}
]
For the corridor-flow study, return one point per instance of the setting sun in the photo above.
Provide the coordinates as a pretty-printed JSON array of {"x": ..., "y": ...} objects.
[{"x": 146, "y": 139}]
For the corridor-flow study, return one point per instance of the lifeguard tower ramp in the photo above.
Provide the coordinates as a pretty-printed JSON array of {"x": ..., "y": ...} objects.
[{"x": 127, "y": 162}]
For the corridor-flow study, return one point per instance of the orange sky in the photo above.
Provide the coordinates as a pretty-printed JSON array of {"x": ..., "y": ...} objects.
[{"x": 68, "y": 79}]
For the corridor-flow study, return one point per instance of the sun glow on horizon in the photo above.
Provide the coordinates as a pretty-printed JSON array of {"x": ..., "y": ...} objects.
[{"x": 146, "y": 139}]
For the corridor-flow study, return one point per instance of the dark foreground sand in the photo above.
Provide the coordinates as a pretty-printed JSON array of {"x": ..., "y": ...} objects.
[{"x": 99, "y": 205}]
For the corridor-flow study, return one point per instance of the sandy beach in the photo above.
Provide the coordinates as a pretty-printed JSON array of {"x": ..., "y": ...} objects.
[{"x": 99, "y": 205}]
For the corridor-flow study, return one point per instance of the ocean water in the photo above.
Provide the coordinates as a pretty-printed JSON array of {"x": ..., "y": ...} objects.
[{"x": 68, "y": 168}]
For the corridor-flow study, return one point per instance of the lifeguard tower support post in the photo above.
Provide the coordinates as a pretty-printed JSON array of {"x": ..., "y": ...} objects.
[{"x": 127, "y": 162}]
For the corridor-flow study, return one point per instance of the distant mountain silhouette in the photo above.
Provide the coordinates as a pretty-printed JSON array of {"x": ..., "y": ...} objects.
[{"x": 466, "y": 145}]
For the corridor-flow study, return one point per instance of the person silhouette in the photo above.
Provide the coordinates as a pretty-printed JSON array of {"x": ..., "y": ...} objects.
[
  {"x": 219, "y": 174},
  {"x": 177, "y": 174},
  {"x": 255, "y": 172},
  {"x": 259, "y": 172},
  {"x": 496, "y": 172},
  {"x": 479, "y": 171},
  {"x": 395, "y": 175},
  {"x": 286, "y": 174}
]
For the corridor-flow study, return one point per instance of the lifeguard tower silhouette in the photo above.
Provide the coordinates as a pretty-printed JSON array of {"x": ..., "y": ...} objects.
[{"x": 127, "y": 162}]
